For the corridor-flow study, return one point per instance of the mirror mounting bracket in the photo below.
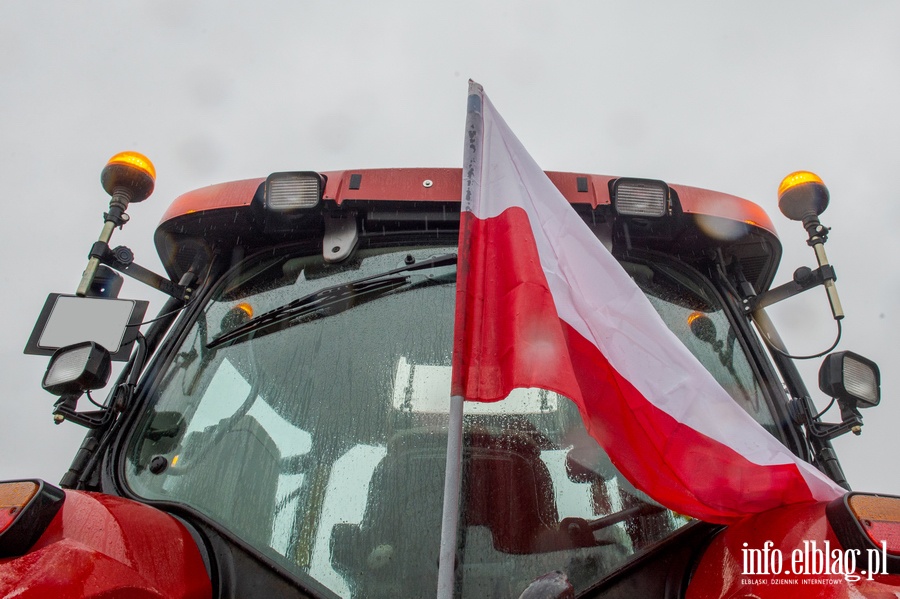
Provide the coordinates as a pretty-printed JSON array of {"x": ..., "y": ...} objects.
[
  {"x": 64, "y": 409},
  {"x": 825, "y": 431},
  {"x": 122, "y": 260},
  {"x": 803, "y": 280}
]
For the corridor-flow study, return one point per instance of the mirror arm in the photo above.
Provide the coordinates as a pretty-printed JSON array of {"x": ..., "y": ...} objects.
[
  {"x": 804, "y": 279},
  {"x": 122, "y": 260}
]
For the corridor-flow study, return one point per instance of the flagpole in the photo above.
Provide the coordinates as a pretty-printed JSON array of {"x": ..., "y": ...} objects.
[
  {"x": 453, "y": 474},
  {"x": 450, "y": 517}
]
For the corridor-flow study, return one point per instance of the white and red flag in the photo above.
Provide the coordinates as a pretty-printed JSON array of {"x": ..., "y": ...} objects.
[{"x": 542, "y": 303}]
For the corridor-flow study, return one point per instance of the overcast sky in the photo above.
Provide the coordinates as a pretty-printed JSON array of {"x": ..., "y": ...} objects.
[{"x": 719, "y": 95}]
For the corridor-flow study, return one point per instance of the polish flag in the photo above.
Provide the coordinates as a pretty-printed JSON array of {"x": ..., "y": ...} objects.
[{"x": 542, "y": 303}]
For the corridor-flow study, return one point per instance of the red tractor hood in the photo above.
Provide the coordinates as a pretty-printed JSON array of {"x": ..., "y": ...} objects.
[{"x": 104, "y": 546}]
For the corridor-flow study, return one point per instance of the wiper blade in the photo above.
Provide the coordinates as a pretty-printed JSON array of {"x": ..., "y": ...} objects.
[{"x": 334, "y": 299}]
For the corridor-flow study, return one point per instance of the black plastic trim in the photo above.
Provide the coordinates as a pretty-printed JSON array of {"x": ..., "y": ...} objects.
[
  {"x": 33, "y": 520},
  {"x": 850, "y": 533},
  {"x": 662, "y": 570}
]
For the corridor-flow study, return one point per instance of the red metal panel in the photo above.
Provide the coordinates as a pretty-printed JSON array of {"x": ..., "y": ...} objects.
[
  {"x": 402, "y": 184},
  {"x": 445, "y": 185},
  {"x": 712, "y": 203},
  {"x": 104, "y": 546},
  {"x": 223, "y": 195}
]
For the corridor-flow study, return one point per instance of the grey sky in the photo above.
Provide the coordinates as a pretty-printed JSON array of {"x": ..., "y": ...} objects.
[{"x": 719, "y": 95}]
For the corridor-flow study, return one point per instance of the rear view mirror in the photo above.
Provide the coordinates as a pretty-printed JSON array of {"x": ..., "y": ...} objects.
[{"x": 68, "y": 320}]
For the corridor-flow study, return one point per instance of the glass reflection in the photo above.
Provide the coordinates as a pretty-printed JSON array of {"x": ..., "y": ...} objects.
[{"x": 321, "y": 440}]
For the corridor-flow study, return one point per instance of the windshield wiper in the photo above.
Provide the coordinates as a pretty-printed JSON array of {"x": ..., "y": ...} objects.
[{"x": 334, "y": 299}]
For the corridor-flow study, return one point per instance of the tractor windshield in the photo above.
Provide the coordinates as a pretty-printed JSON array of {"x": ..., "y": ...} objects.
[{"x": 315, "y": 431}]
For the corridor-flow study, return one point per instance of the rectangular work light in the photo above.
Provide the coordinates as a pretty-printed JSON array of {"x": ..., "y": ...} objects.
[
  {"x": 286, "y": 192},
  {"x": 77, "y": 368},
  {"x": 640, "y": 197},
  {"x": 847, "y": 376}
]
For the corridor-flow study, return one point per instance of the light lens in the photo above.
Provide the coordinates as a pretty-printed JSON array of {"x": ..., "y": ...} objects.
[
  {"x": 641, "y": 198},
  {"x": 860, "y": 381},
  {"x": 880, "y": 519},
  {"x": 292, "y": 191},
  {"x": 68, "y": 366},
  {"x": 802, "y": 195},
  {"x": 13, "y": 498},
  {"x": 77, "y": 368},
  {"x": 130, "y": 172},
  {"x": 850, "y": 377},
  {"x": 134, "y": 160},
  {"x": 798, "y": 178}
]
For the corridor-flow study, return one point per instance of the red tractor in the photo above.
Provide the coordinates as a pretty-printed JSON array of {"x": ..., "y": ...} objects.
[{"x": 279, "y": 429}]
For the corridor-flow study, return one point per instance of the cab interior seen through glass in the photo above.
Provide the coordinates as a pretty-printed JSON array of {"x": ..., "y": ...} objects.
[{"x": 320, "y": 440}]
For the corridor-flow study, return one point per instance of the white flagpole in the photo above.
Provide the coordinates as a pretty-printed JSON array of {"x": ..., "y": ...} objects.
[
  {"x": 450, "y": 517},
  {"x": 453, "y": 475}
]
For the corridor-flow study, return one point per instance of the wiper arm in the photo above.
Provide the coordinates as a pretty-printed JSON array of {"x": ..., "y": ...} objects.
[{"x": 335, "y": 299}]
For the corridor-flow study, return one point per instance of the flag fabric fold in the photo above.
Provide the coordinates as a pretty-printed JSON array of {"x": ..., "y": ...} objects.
[{"x": 542, "y": 303}]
